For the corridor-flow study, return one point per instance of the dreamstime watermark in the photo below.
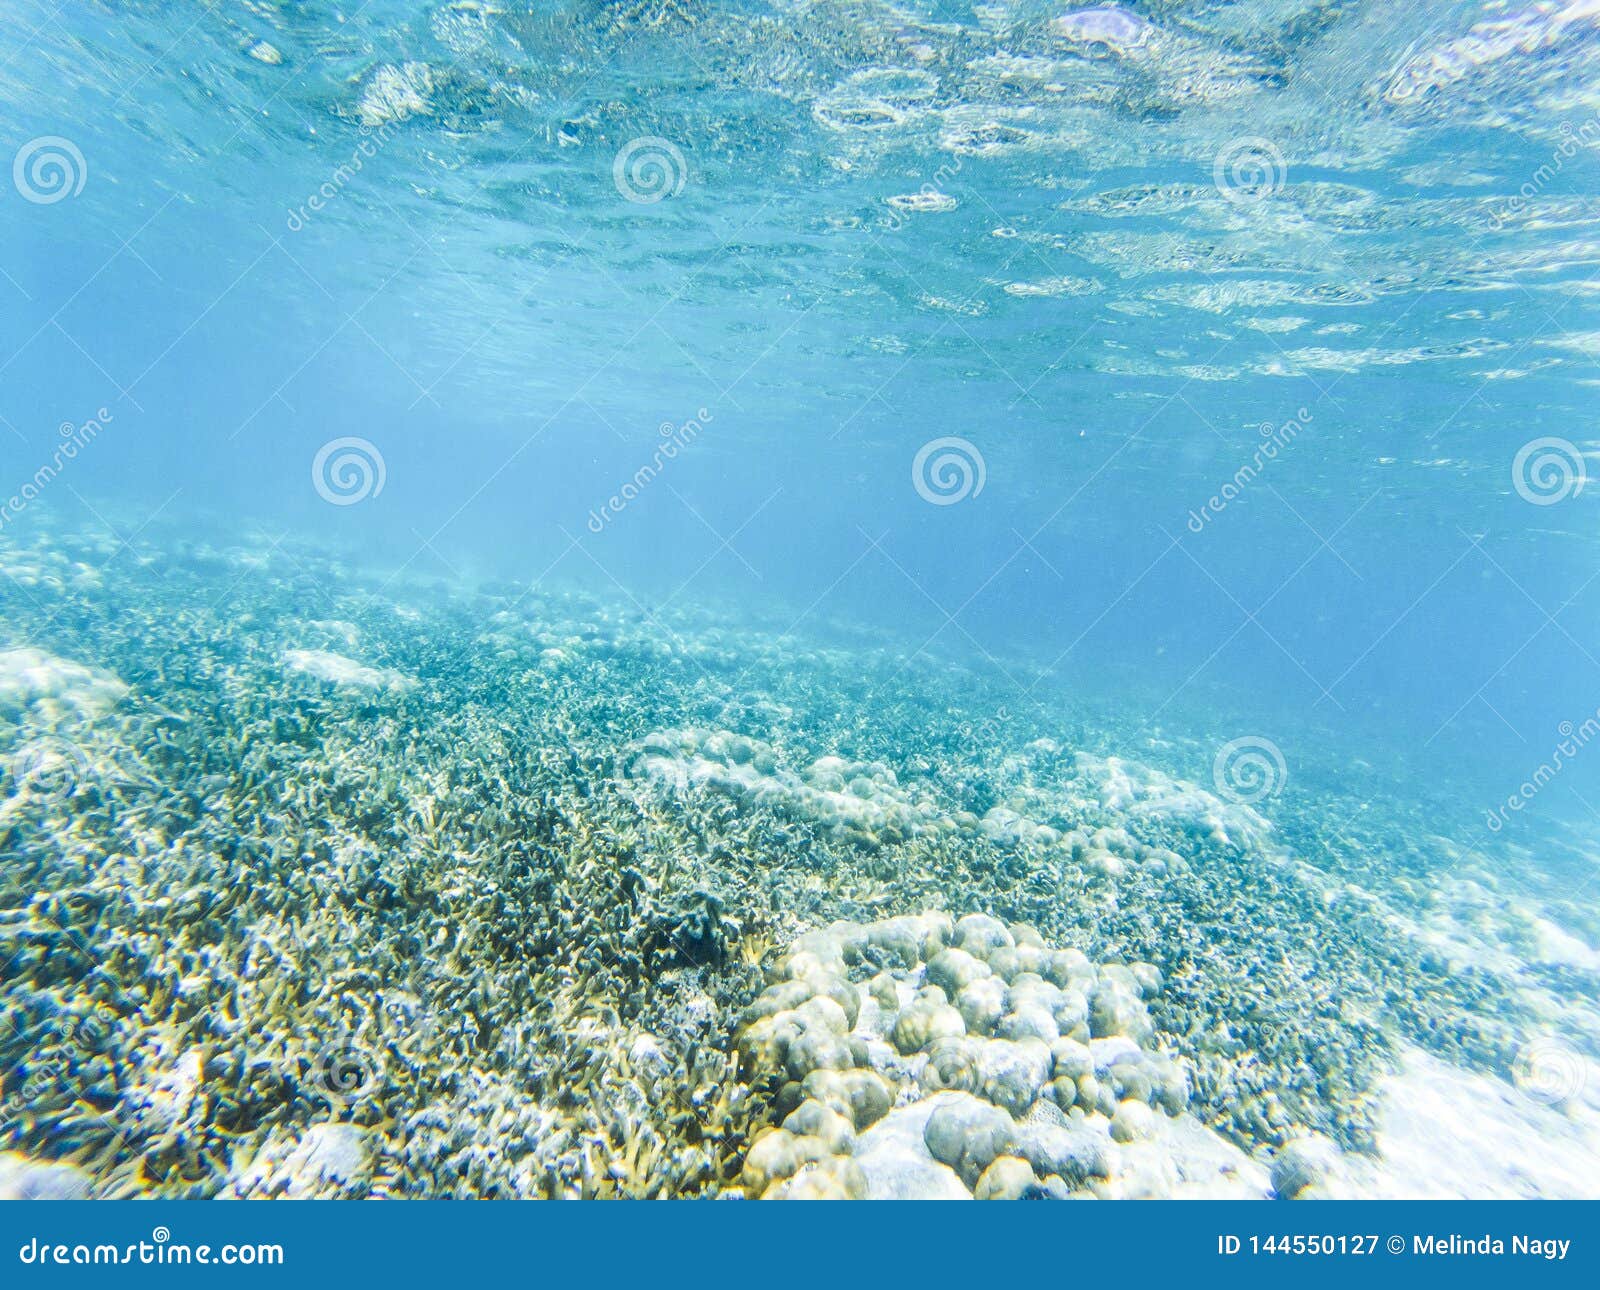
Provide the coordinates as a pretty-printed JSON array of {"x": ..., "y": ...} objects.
[
  {"x": 1550, "y": 1071},
  {"x": 674, "y": 439},
  {"x": 1548, "y": 470},
  {"x": 345, "y": 1071},
  {"x": 52, "y": 767},
  {"x": 1574, "y": 739},
  {"x": 75, "y": 437},
  {"x": 48, "y": 767},
  {"x": 986, "y": 730},
  {"x": 1249, "y": 769},
  {"x": 948, "y": 470},
  {"x": 54, "y": 1068},
  {"x": 349, "y": 470},
  {"x": 372, "y": 142},
  {"x": 1249, "y": 170},
  {"x": 1274, "y": 439},
  {"x": 48, "y": 170},
  {"x": 1572, "y": 142},
  {"x": 649, "y": 169},
  {"x": 160, "y": 1249}
]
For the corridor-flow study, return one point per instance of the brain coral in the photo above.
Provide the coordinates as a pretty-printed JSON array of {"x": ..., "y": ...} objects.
[{"x": 930, "y": 1057}]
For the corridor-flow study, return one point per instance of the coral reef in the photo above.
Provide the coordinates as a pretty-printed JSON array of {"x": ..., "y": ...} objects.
[
  {"x": 925, "y": 1057},
  {"x": 336, "y": 669},
  {"x": 48, "y": 689},
  {"x": 861, "y": 801},
  {"x": 327, "y": 885}
]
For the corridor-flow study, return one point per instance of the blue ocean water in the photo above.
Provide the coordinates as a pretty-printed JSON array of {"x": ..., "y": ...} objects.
[
  {"x": 1209, "y": 371},
  {"x": 874, "y": 229}
]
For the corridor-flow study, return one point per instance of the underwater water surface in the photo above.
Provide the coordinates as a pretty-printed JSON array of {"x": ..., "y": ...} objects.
[{"x": 806, "y": 599}]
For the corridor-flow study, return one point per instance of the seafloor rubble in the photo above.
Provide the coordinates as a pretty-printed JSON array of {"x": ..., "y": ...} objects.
[{"x": 315, "y": 885}]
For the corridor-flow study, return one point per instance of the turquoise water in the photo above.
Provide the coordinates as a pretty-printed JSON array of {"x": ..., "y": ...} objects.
[{"x": 1209, "y": 386}]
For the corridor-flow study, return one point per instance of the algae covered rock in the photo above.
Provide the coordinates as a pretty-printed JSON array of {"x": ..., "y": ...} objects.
[
  {"x": 895, "y": 1158},
  {"x": 1304, "y": 1167},
  {"x": 836, "y": 1178},
  {"x": 1073, "y": 1151},
  {"x": 1115, "y": 1008},
  {"x": 925, "y": 1022},
  {"x": 1008, "y": 1178},
  {"x": 1133, "y": 1122},
  {"x": 990, "y": 1083},
  {"x": 779, "y": 1155},
  {"x": 953, "y": 969},
  {"x": 967, "y": 1133},
  {"x": 1012, "y": 1073},
  {"x": 981, "y": 1004},
  {"x": 814, "y": 1120},
  {"x": 861, "y": 1096}
]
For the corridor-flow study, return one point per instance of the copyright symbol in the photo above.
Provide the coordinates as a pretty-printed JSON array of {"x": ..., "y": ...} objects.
[{"x": 1397, "y": 1245}]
